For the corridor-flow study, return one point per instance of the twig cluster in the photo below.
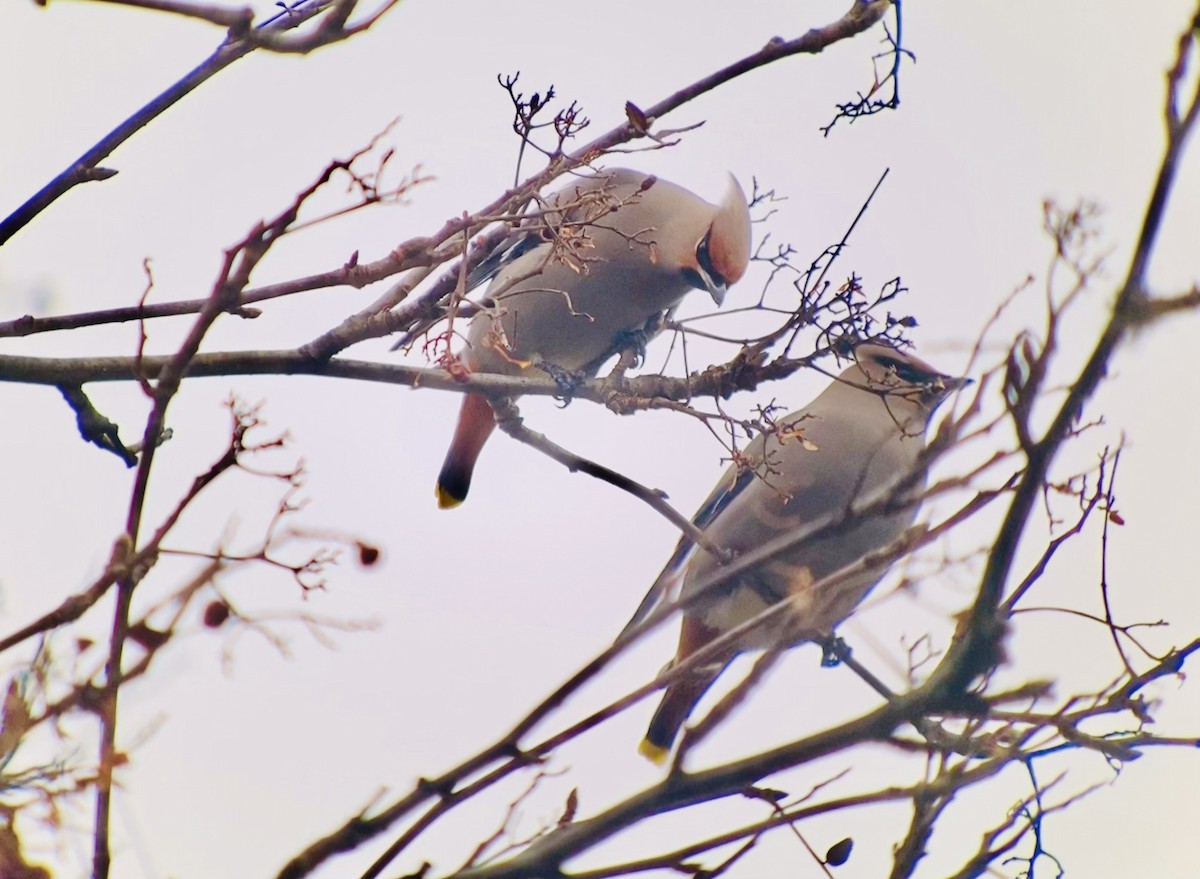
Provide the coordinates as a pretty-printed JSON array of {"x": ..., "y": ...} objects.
[{"x": 1000, "y": 448}]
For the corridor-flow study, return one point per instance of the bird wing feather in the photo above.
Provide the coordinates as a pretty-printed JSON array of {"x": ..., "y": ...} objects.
[{"x": 666, "y": 585}]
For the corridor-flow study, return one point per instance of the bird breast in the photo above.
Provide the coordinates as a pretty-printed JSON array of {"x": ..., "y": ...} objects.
[
  {"x": 571, "y": 316},
  {"x": 814, "y": 490}
]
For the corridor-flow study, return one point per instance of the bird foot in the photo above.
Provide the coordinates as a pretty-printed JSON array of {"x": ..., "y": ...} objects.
[
  {"x": 634, "y": 341},
  {"x": 833, "y": 651},
  {"x": 566, "y": 379}
]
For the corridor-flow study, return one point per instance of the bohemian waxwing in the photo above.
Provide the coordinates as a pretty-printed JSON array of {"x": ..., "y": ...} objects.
[
  {"x": 860, "y": 436},
  {"x": 572, "y": 285}
]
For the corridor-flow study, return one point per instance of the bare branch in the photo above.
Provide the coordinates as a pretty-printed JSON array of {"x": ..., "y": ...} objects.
[
  {"x": 87, "y": 167},
  {"x": 975, "y": 652},
  {"x": 509, "y": 420}
]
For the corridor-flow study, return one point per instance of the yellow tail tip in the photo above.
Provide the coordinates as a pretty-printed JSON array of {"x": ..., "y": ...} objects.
[
  {"x": 445, "y": 500},
  {"x": 656, "y": 754}
]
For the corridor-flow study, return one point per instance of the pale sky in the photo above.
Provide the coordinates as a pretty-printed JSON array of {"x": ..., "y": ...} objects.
[{"x": 482, "y": 611}]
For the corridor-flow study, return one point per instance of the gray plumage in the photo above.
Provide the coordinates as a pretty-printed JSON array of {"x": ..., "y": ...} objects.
[
  {"x": 606, "y": 255},
  {"x": 860, "y": 436}
]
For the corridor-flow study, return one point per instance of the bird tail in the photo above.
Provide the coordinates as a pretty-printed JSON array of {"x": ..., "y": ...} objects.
[
  {"x": 475, "y": 424},
  {"x": 677, "y": 703}
]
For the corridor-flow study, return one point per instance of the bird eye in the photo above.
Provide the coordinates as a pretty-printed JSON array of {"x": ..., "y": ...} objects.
[
  {"x": 907, "y": 372},
  {"x": 704, "y": 259}
]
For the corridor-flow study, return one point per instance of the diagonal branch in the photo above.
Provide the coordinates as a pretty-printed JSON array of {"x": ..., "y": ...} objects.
[
  {"x": 270, "y": 34},
  {"x": 508, "y": 419},
  {"x": 975, "y": 651}
]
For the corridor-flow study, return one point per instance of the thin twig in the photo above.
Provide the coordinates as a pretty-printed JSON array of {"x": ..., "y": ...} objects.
[{"x": 508, "y": 419}]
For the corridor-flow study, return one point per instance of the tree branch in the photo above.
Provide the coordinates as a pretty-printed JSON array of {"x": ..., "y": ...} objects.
[{"x": 270, "y": 35}]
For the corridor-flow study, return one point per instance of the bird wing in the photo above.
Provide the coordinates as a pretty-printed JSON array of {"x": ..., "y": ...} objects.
[
  {"x": 507, "y": 252},
  {"x": 666, "y": 585},
  {"x": 532, "y": 233}
]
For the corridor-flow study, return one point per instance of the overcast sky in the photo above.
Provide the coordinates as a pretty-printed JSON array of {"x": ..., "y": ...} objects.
[{"x": 247, "y": 755}]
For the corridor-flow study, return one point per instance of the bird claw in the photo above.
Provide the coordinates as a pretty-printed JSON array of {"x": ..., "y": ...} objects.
[
  {"x": 566, "y": 379},
  {"x": 833, "y": 651},
  {"x": 634, "y": 341}
]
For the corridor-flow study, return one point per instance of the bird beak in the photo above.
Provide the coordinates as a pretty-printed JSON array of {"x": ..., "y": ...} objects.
[
  {"x": 717, "y": 292},
  {"x": 951, "y": 383}
]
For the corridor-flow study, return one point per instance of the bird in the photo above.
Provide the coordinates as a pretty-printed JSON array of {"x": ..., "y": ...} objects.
[
  {"x": 861, "y": 437},
  {"x": 593, "y": 271}
]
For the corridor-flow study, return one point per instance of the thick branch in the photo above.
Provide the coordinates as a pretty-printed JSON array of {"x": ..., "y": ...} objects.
[
  {"x": 622, "y": 395},
  {"x": 974, "y": 653},
  {"x": 237, "y": 19}
]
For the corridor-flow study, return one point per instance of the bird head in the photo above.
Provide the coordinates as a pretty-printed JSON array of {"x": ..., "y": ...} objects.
[
  {"x": 905, "y": 377},
  {"x": 723, "y": 252}
]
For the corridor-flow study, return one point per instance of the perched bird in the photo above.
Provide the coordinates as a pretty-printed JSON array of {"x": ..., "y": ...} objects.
[
  {"x": 608, "y": 255},
  {"x": 861, "y": 436}
]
